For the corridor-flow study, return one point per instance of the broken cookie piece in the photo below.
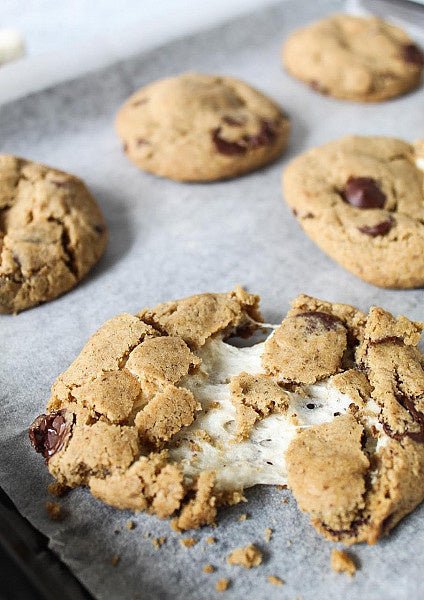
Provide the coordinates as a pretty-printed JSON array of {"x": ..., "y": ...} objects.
[
  {"x": 249, "y": 556},
  {"x": 342, "y": 562},
  {"x": 161, "y": 413},
  {"x": 51, "y": 233}
]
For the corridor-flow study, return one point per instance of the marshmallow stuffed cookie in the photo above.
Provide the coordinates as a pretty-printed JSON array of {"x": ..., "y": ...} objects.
[{"x": 163, "y": 412}]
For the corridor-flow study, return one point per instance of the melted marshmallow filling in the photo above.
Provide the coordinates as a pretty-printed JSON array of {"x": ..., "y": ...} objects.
[{"x": 210, "y": 442}]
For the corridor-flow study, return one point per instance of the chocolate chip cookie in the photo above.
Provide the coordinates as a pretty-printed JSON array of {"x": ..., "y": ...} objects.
[
  {"x": 197, "y": 127},
  {"x": 354, "y": 58},
  {"x": 159, "y": 412},
  {"x": 51, "y": 233},
  {"x": 361, "y": 199}
]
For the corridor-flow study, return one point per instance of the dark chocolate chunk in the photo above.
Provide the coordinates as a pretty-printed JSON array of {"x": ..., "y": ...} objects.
[
  {"x": 226, "y": 147},
  {"x": 388, "y": 339},
  {"x": 266, "y": 135},
  {"x": 379, "y": 229},
  {"x": 417, "y": 416},
  {"x": 363, "y": 192},
  {"x": 48, "y": 433},
  {"x": 412, "y": 54},
  {"x": 329, "y": 322}
]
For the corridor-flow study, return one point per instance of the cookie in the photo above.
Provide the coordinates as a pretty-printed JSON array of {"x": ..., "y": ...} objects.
[
  {"x": 197, "y": 127},
  {"x": 354, "y": 58},
  {"x": 51, "y": 233},
  {"x": 161, "y": 413},
  {"x": 361, "y": 200}
]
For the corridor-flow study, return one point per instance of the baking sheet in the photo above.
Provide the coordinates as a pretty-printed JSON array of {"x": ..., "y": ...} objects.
[{"x": 169, "y": 240}]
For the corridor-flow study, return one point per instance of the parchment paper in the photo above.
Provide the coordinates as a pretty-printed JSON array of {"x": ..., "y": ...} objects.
[{"x": 168, "y": 240}]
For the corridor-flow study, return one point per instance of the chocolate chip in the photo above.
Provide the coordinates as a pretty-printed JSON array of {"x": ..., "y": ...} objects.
[
  {"x": 379, "y": 229},
  {"x": 142, "y": 142},
  {"x": 310, "y": 406},
  {"x": 49, "y": 432},
  {"x": 412, "y": 54},
  {"x": 265, "y": 136},
  {"x": 388, "y": 339},
  {"x": 363, "y": 192},
  {"x": 329, "y": 322},
  {"x": 226, "y": 147},
  {"x": 99, "y": 228},
  {"x": 233, "y": 122},
  {"x": 417, "y": 417}
]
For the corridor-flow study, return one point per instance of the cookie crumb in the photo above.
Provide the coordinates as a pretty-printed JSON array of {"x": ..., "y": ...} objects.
[
  {"x": 57, "y": 489},
  {"x": 282, "y": 487},
  {"x": 242, "y": 517},
  {"x": 55, "y": 511},
  {"x": 342, "y": 562},
  {"x": 130, "y": 524},
  {"x": 115, "y": 560},
  {"x": 188, "y": 542},
  {"x": 222, "y": 584},
  {"x": 210, "y": 540},
  {"x": 275, "y": 580},
  {"x": 248, "y": 556},
  {"x": 285, "y": 500},
  {"x": 208, "y": 569},
  {"x": 158, "y": 542},
  {"x": 268, "y": 534}
]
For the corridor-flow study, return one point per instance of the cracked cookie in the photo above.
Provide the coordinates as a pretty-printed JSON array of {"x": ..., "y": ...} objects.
[
  {"x": 197, "y": 127},
  {"x": 354, "y": 58},
  {"x": 161, "y": 412},
  {"x": 361, "y": 200},
  {"x": 51, "y": 233}
]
